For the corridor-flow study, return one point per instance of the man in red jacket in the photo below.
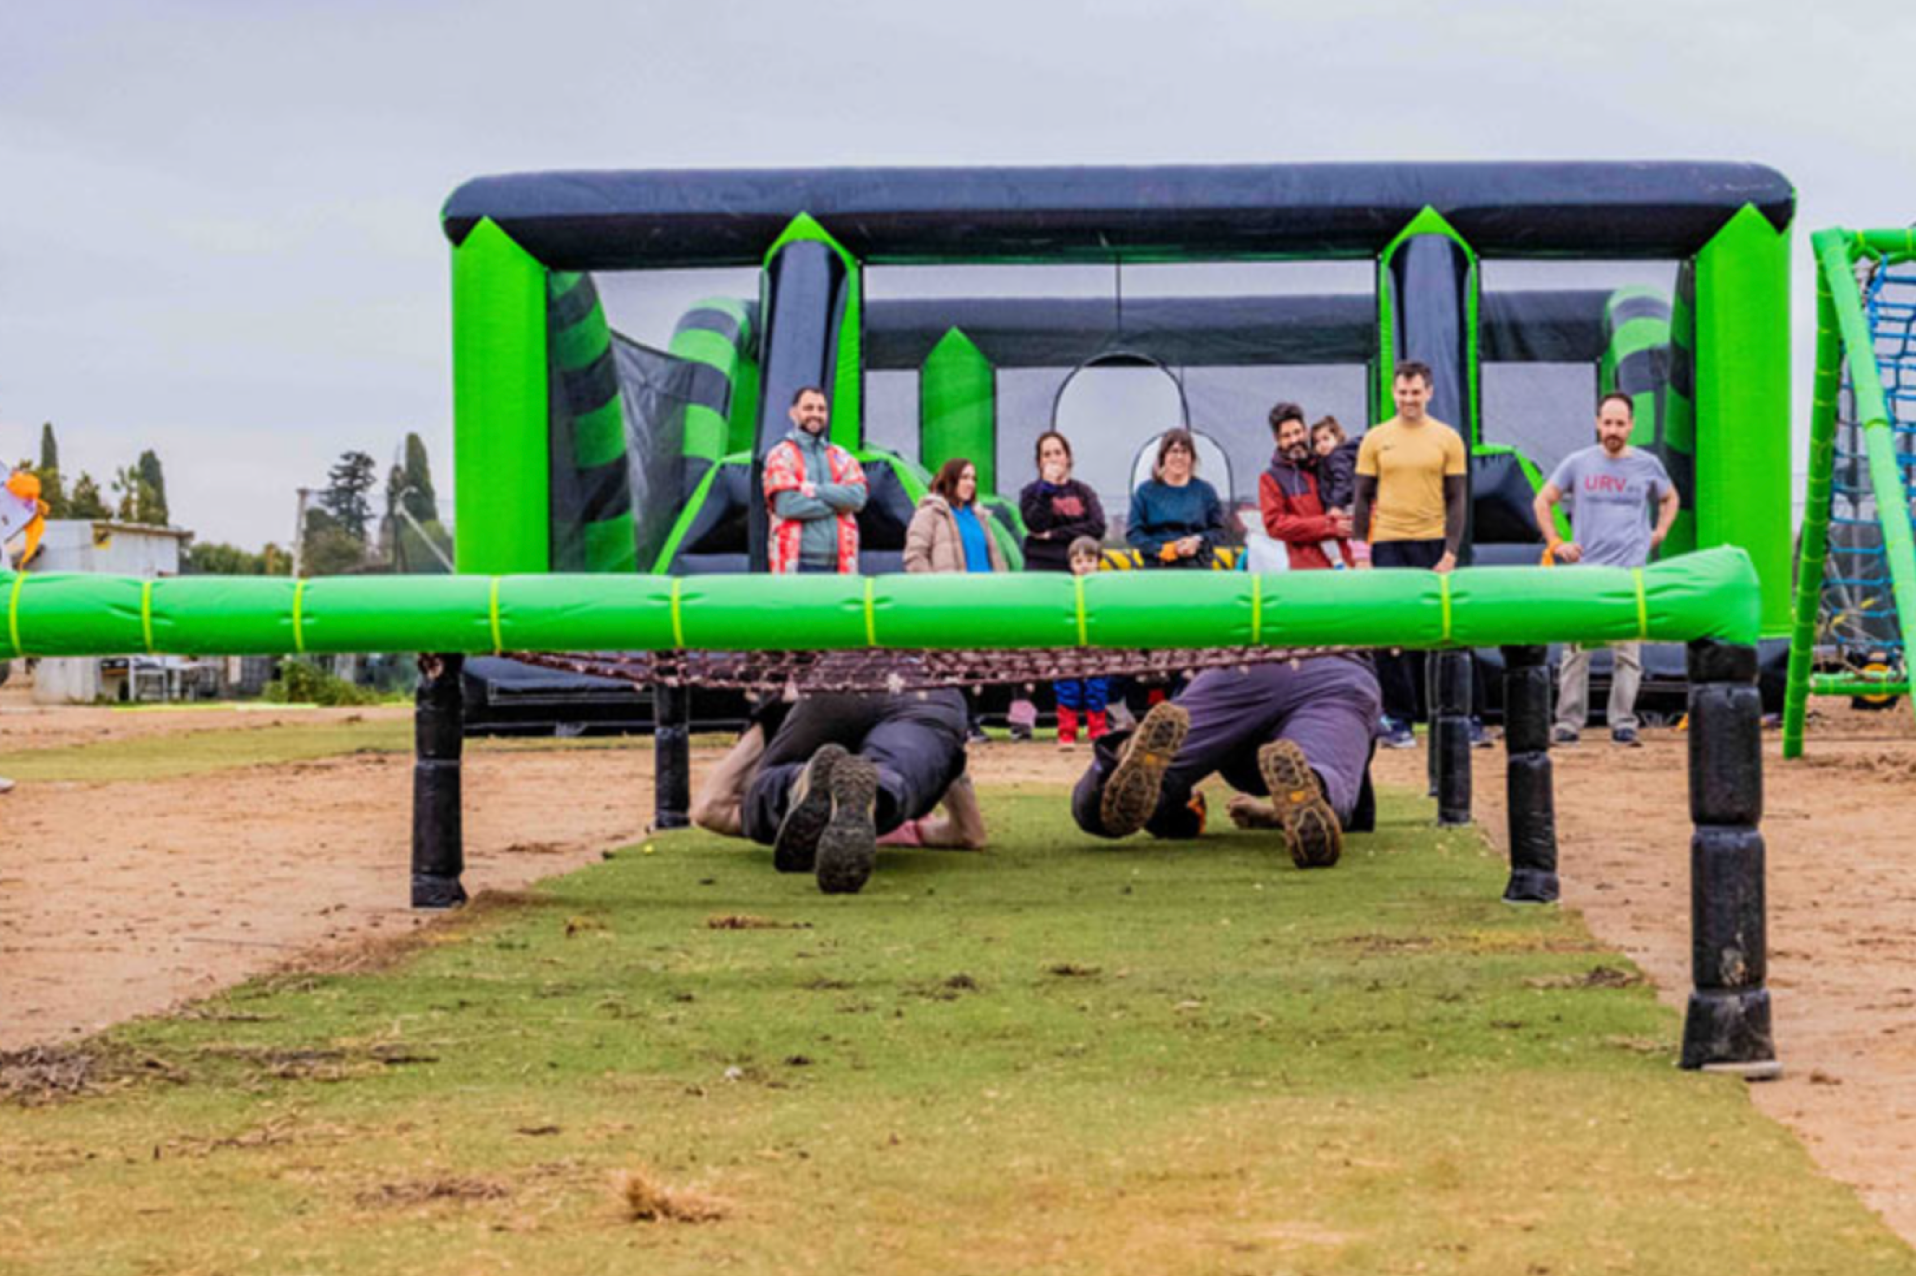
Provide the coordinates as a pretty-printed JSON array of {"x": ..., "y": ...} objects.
[{"x": 1287, "y": 496}]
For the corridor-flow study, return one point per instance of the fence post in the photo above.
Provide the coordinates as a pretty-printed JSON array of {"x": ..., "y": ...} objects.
[
  {"x": 1450, "y": 737},
  {"x": 1727, "y": 1025},
  {"x": 671, "y": 756},
  {"x": 438, "y": 850},
  {"x": 1529, "y": 792}
]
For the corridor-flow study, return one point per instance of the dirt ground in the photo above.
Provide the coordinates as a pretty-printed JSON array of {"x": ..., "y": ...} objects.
[{"x": 124, "y": 899}]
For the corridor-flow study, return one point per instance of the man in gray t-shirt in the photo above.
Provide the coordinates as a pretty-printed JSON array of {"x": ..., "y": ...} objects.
[{"x": 1608, "y": 490}]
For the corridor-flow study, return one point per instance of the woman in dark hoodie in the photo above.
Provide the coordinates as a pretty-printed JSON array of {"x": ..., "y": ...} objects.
[{"x": 1057, "y": 508}]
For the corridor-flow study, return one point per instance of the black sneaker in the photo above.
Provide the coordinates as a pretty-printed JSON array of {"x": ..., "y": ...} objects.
[
  {"x": 795, "y": 848},
  {"x": 1310, "y": 825},
  {"x": 1563, "y": 735},
  {"x": 1626, "y": 736},
  {"x": 1131, "y": 793},
  {"x": 848, "y": 848}
]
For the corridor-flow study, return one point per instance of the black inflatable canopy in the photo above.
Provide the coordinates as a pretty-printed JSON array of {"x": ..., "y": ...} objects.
[{"x": 664, "y": 218}]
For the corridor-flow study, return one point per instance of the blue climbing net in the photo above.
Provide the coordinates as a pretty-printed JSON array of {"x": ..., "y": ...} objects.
[{"x": 1859, "y": 611}]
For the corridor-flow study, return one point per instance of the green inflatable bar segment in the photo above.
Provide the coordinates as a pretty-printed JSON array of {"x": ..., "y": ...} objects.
[
  {"x": 501, "y": 475},
  {"x": 1706, "y": 595},
  {"x": 848, "y": 380},
  {"x": 1743, "y": 402},
  {"x": 957, "y": 408},
  {"x": 1831, "y": 250}
]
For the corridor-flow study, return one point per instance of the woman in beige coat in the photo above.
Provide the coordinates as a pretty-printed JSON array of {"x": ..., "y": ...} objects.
[{"x": 950, "y": 531}]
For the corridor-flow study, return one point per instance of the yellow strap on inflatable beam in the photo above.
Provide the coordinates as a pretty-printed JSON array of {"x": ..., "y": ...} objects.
[
  {"x": 1643, "y": 604},
  {"x": 1443, "y": 592},
  {"x": 678, "y": 619},
  {"x": 871, "y": 616},
  {"x": 299, "y": 618},
  {"x": 1084, "y": 628},
  {"x": 13, "y": 610},
  {"x": 146, "y": 614},
  {"x": 492, "y": 610}
]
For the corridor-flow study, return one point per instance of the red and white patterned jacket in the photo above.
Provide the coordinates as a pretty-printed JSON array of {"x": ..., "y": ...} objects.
[{"x": 785, "y": 472}]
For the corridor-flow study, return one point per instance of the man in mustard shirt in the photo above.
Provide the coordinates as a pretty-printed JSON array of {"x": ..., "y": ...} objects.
[{"x": 1411, "y": 479}]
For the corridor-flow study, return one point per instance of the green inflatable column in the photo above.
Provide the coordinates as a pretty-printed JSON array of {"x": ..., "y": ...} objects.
[
  {"x": 499, "y": 401},
  {"x": 1743, "y": 402},
  {"x": 1679, "y": 412},
  {"x": 957, "y": 408}
]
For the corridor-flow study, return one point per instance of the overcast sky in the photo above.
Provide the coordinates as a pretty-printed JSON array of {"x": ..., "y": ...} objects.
[{"x": 219, "y": 221}]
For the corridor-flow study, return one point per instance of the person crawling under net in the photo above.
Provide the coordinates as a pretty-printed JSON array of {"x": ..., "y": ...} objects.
[
  {"x": 826, "y": 781},
  {"x": 1297, "y": 733}
]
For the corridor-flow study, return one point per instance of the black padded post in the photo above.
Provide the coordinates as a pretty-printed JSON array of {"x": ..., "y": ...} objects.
[
  {"x": 1450, "y": 737},
  {"x": 1727, "y": 1025},
  {"x": 439, "y": 722},
  {"x": 1431, "y": 659},
  {"x": 1529, "y": 791},
  {"x": 672, "y": 756}
]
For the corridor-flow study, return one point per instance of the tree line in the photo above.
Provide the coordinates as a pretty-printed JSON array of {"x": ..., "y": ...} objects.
[{"x": 339, "y": 532}]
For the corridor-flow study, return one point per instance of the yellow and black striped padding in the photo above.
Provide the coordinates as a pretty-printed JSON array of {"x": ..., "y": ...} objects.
[{"x": 1224, "y": 558}]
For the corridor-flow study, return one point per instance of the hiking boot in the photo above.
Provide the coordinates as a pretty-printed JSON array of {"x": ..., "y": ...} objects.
[
  {"x": 1310, "y": 826},
  {"x": 807, "y": 812},
  {"x": 1131, "y": 792},
  {"x": 1563, "y": 735},
  {"x": 1626, "y": 736},
  {"x": 848, "y": 848}
]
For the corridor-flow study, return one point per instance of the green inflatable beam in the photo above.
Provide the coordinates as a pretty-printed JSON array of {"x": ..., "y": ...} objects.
[{"x": 1708, "y": 595}]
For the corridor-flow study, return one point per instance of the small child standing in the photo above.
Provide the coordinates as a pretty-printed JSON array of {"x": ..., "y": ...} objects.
[
  {"x": 1337, "y": 482},
  {"x": 1082, "y": 694}
]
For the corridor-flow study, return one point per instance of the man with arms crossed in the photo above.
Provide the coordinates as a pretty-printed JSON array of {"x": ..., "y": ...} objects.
[
  {"x": 815, "y": 489},
  {"x": 1410, "y": 507},
  {"x": 1608, "y": 489}
]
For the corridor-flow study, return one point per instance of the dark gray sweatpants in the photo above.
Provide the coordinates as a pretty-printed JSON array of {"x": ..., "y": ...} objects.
[
  {"x": 1328, "y": 705},
  {"x": 916, "y": 741}
]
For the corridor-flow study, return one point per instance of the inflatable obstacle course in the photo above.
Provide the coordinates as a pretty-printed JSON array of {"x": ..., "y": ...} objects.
[{"x": 1706, "y": 365}]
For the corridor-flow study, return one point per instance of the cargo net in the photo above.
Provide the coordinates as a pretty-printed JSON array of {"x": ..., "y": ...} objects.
[
  {"x": 879, "y": 670},
  {"x": 1858, "y": 626}
]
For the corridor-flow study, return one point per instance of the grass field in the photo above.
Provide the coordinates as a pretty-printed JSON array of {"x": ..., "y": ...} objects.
[
  {"x": 1054, "y": 1057},
  {"x": 162, "y": 757}
]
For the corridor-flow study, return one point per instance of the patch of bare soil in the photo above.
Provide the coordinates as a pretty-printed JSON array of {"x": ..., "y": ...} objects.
[
  {"x": 1842, "y": 915},
  {"x": 125, "y": 899}
]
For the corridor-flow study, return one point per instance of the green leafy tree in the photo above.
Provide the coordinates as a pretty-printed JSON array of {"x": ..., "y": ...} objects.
[
  {"x": 421, "y": 501},
  {"x": 213, "y": 558},
  {"x": 148, "y": 468},
  {"x": 87, "y": 500},
  {"x": 331, "y": 549},
  {"x": 52, "y": 487},
  {"x": 138, "y": 502},
  {"x": 348, "y": 484}
]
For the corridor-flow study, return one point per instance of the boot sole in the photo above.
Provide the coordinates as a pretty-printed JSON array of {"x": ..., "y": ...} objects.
[
  {"x": 1131, "y": 794},
  {"x": 795, "y": 849},
  {"x": 848, "y": 848},
  {"x": 1311, "y": 830}
]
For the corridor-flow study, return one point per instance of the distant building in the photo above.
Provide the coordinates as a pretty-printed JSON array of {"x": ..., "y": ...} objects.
[{"x": 119, "y": 549}]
